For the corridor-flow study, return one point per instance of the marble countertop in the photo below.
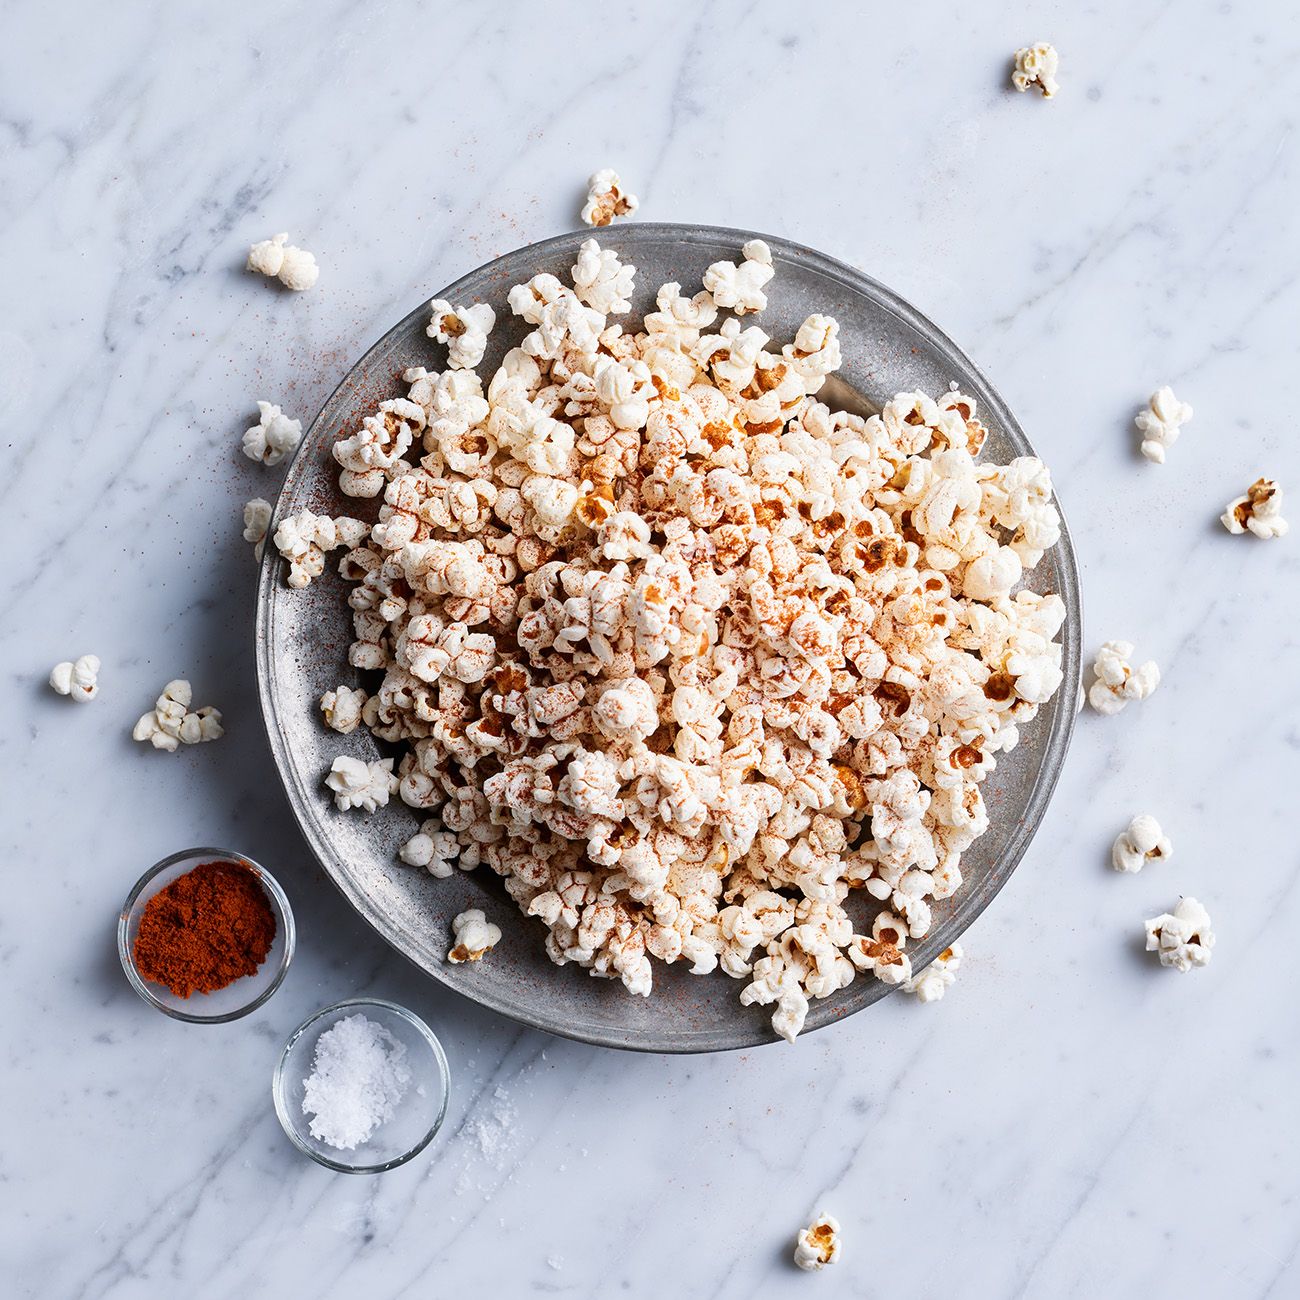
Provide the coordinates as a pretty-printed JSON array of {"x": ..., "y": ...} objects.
[{"x": 1071, "y": 1120}]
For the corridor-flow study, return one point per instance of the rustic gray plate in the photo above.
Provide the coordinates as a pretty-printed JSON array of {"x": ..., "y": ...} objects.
[{"x": 303, "y": 637}]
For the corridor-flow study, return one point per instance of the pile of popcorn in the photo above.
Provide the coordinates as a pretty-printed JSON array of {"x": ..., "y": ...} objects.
[{"x": 679, "y": 652}]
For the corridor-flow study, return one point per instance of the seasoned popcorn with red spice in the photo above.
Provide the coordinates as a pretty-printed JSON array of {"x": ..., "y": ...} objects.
[{"x": 679, "y": 652}]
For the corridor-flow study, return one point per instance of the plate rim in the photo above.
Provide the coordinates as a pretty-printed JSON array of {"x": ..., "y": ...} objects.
[{"x": 1061, "y": 726}]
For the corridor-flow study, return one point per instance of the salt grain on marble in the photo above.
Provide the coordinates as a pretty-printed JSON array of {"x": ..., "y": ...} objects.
[
  {"x": 492, "y": 1128},
  {"x": 359, "y": 1075}
]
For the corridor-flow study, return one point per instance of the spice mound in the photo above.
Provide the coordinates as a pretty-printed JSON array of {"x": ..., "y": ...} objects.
[
  {"x": 205, "y": 930},
  {"x": 359, "y": 1076}
]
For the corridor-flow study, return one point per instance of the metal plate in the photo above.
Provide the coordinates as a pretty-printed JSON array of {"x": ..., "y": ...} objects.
[{"x": 303, "y": 638}]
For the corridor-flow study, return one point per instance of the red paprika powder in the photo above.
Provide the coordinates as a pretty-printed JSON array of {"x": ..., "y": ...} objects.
[{"x": 208, "y": 928}]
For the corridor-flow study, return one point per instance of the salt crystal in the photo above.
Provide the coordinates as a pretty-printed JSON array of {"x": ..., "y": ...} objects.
[
  {"x": 492, "y": 1127},
  {"x": 359, "y": 1075}
]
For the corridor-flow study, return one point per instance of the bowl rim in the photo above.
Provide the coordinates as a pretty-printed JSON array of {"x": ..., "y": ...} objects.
[
  {"x": 1061, "y": 723},
  {"x": 278, "y": 1084},
  {"x": 284, "y": 917}
]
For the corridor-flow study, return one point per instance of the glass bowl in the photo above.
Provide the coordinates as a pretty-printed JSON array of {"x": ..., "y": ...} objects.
[
  {"x": 235, "y": 1000},
  {"x": 419, "y": 1114}
]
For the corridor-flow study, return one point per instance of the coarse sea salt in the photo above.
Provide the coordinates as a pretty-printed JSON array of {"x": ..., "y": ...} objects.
[
  {"x": 492, "y": 1127},
  {"x": 359, "y": 1075}
]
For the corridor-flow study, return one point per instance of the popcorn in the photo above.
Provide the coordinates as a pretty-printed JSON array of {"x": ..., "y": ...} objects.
[
  {"x": 938, "y": 977},
  {"x": 883, "y": 953},
  {"x": 552, "y": 499},
  {"x": 170, "y": 723},
  {"x": 1160, "y": 423},
  {"x": 304, "y": 538},
  {"x": 358, "y": 784},
  {"x": 433, "y": 848},
  {"x": 606, "y": 199},
  {"x": 818, "y": 1244},
  {"x": 564, "y": 325},
  {"x": 79, "y": 680},
  {"x": 815, "y": 352},
  {"x": 681, "y": 654},
  {"x": 474, "y": 935},
  {"x": 1182, "y": 938},
  {"x": 1259, "y": 511},
  {"x": 601, "y": 281},
  {"x": 464, "y": 330},
  {"x": 298, "y": 271},
  {"x": 1142, "y": 842},
  {"x": 993, "y": 575},
  {"x": 783, "y": 986},
  {"x": 203, "y": 725},
  {"x": 1117, "y": 681},
  {"x": 274, "y": 437},
  {"x": 626, "y": 710},
  {"x": 371, "y": 454},
  {"x": 341, "y": 709},
  {"x": 1036, "y": 65},
  {"x": 257, "y": 519},
  {"x": 740, "y": 288},
  {"x": 267, "y": 257},
  {"x": 276, "y": 257}
]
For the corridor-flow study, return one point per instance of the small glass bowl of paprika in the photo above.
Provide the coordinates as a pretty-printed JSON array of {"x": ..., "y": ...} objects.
[{"x": 206, "y": 935}]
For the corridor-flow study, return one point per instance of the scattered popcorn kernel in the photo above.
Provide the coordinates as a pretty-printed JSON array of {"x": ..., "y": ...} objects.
[
  {"x": 464, "y": 331},
  {"x": 607, "y": 199},
  {"x": 1160, "y": 422},
  {"x": 1259, "y": 511},
  {"x": 1181, "y": 938},
  {"x": 1117, "y": 681},
  {"x": 79, "y": 680},
  {"x": 171, "y": 723},
  {"x": 267, "y": 257},
  {"x": 341, "y": 708},
  {"x": 257, "y": 519},
  {"x": 740, "y": 288},
  {"x": 1036, "y": 65},
  {"x": 818, "y": 1244},
  {"x": 276, "y": 257},
  {"x": 937, "y": 978},
  {"x": 202, "y": 725},
  {"x": 298, "y": 271},
  {"x": 358, "y": 784},
  {"x": 474, "y": 935},
  {"x": 1143, "y": 841},
  {"x": 273, "y": 437}
]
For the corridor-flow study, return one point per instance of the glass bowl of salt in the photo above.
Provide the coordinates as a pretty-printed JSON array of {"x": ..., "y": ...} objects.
[{"x": 362, "y": 1086}]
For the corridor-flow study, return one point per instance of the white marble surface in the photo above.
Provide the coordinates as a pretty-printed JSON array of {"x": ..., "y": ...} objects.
[{"x": 1070, "y": 1121}]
